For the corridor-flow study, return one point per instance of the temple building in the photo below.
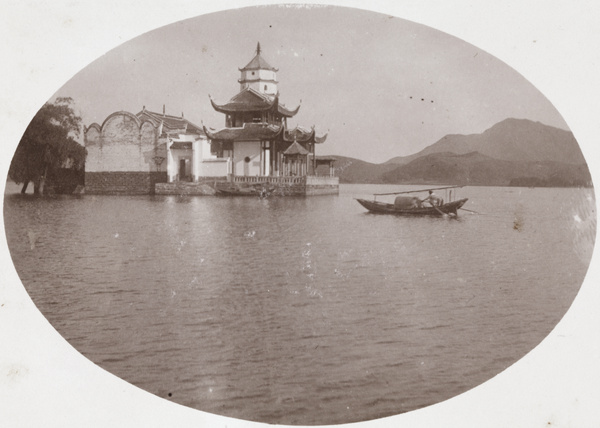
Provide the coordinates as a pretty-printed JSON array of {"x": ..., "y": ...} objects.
[
  {"x": 256, "y": 136},
  {"x": 150, "y": 152}
]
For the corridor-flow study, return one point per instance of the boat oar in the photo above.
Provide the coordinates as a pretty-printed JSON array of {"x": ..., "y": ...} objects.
[
  {"x": 439, "y": 210},
  {"x": 474, "y": 212}
]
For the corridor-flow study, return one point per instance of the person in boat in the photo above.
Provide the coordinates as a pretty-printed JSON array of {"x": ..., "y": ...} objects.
[{"x": 433, "y": 199}]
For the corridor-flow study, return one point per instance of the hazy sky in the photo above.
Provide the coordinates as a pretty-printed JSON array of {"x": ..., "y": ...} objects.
[{"x": 379, "y": 86}]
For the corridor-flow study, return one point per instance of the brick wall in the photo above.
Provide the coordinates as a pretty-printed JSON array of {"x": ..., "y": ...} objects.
[{"x": 123, "y": 182}]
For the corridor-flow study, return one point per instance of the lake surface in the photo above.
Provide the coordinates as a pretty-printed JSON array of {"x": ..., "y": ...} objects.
[{"x": 302, "y": 310}]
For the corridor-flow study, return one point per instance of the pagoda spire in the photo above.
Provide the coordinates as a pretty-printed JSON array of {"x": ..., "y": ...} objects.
[{"x": 259, "y": 75}]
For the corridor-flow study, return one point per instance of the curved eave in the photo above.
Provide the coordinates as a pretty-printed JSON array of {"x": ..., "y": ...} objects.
[
  {"x": 268, "y": 106},
  {"x": 239, "y": 107},
  {"x": 245, "y": 133},
  {"x": 297, "y": 135},
  {"x": 262, "y": 66},
  {"x": 210, "y": 135},
  {"x": 287, "y": 112},
  {"x": 320, "y": 140},
  {"x": 257, "y": 80},
  {"x": 259, "y": 68}
]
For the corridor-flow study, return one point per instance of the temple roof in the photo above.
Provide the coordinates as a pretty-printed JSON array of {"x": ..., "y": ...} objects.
[
  {"x": 170, "y": 123},
  {"x": 303, "y": 135},
  {"x": 296, "y": 149},
  {"x": 249, "y": 132},
  {"x": 258, "y": 62},
  {"x": 251, "y": 100}
]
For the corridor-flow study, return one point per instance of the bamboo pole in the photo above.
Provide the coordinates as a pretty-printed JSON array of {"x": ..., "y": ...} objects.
[{"x": 417, "y": 191}]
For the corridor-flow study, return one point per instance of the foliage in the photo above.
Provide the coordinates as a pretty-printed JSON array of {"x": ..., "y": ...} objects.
[{"x": 48, "y": 144}]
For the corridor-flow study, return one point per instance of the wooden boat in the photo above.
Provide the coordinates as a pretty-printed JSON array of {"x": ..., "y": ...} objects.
[
  {"x": 413, "y": 206},
  {"x": 244, "y": 189},
  {"x": 449, "y": 208}
]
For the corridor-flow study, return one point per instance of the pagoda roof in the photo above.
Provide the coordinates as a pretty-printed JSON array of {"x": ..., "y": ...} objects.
[
  {"x": 303, "y": 135},
  {"x": 258, "y": 62},
  {"x": 296, "y": 149},
  {"x": 248, "y": 132},
  {"x": 251, "y": 100},
  {"x": 171, "y": 124}
]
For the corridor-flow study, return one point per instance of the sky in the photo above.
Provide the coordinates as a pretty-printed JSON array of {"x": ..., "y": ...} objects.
[{"x": 378, "y": 85}]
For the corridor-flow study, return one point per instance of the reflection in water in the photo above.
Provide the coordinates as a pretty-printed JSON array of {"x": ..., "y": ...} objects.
[{"x": 302, "y": 310}]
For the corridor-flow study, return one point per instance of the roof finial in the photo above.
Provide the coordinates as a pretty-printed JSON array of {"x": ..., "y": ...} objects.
[{"x": 258, "y": 48}]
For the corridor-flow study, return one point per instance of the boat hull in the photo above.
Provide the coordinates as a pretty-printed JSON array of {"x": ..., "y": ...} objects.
[
  {"x": 449, "y": 208},
  {"x": 254, "y": 189},
  {"x": 237, "y": 192}
]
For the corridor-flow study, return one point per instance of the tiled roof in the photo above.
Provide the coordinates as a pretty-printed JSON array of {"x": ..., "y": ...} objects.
[
  {"x": 249, "y": 132},
  {"x": 258, "y": 62},
  {"x": 296, "y": 149},
  {"x": 303, "y": 135},
  {"x": 252, "y": 100},
  {"x": 171, "y": 123},
  {"x": 181, "y": 145},
  {"x": 246, "y": 100}
]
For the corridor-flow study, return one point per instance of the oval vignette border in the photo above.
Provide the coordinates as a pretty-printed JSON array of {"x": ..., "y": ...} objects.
[{"x": 36, "y": 373}]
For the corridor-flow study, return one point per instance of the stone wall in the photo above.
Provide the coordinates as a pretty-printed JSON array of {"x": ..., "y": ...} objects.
[
  {"x": 182, "y": 188},
  {"x": 123, "y": 143},
  {"x": 123, "y": 182},
  {"x": 322, "y": 190},
  {"x": 322, "y": 185}
]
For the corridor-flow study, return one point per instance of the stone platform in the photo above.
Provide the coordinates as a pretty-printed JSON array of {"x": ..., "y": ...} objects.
[{"x": 283, "y": 186}]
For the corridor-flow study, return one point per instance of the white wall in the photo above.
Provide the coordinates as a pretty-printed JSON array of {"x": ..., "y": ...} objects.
[
  {"x": 213, "y": 168},
  {"x": 123, "y": 144},
  {"x": 251, "y": 149}
]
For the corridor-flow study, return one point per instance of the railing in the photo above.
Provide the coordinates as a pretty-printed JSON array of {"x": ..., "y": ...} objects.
[{"x": 269, "y": 179}]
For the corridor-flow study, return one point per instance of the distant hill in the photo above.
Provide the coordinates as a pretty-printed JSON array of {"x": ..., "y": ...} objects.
[
  {"x": 513, "y": 152},
  {"x": 476, "y": 169},
  {"x": 511, "y": 139},
  {"x": 351, "y": 170}
]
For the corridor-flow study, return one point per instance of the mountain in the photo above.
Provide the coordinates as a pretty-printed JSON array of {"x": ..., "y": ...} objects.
[
  {"x": 477, "y": 169},
  {"x": 513, "y": 140},
  {"x": 514, "y": 152},
  {"x": 351, "y": 170}
]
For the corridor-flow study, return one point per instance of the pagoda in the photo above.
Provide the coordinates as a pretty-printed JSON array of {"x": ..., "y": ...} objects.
[{"x": 256, "y": 136}]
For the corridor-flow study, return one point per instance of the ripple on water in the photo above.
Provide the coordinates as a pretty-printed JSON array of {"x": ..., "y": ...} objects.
[{"x": 303, "y": 310}]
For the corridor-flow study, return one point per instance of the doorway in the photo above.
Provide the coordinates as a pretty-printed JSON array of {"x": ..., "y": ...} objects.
[{"x": 183, "y": 176}]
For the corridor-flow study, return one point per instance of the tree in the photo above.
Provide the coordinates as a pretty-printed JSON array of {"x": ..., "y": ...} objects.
[{"x": 48, "y": 144}]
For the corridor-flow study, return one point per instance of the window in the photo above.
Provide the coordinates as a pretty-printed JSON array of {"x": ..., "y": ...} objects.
[
  {"x": 265, "y": 87},
  {"x": 247, "y": 159}
]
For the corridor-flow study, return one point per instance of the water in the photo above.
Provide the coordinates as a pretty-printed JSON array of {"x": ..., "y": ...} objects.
[{"x": 302, "y": 310}]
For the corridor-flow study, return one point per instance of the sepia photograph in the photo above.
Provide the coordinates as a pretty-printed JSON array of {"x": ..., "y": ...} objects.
[{"x": 293, "y": 214}]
